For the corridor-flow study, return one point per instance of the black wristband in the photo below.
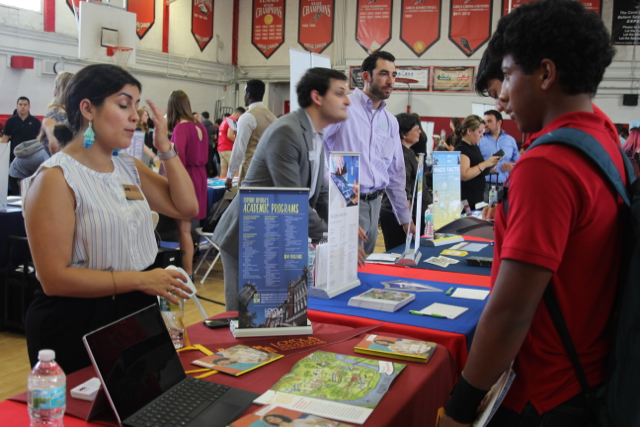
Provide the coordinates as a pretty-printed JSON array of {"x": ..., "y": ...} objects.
[{"x": 465, "y": 400}]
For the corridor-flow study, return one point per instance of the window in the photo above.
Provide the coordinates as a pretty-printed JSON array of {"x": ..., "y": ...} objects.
[{"x": 34, "y": 5}]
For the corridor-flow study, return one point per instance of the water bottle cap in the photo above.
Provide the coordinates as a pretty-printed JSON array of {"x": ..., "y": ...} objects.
[{"x": 46, "y": 355}]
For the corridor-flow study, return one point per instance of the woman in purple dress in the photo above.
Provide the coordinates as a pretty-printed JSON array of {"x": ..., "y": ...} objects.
[{"x": 190, "y": 140}]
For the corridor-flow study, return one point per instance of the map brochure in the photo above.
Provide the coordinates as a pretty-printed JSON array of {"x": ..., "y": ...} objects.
[
  {"x": 382, "y": 299},
  {"x": 494, "y": 398},
  {"x": 396, "y": 348},
  {"x": 272, "y": 415},
  {"x": 237, "y": 360},
  {"x": 335, "y": 386}
]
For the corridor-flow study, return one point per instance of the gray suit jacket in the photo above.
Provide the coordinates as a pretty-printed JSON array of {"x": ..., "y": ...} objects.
[{"x": 281, "y": 160}]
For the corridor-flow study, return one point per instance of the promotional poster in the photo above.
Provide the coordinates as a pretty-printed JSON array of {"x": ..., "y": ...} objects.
[
  {"x": 446, "y": 187},
  {"x": 272, "y": 288}
]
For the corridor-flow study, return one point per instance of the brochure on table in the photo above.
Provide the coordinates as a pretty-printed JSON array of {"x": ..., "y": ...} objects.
[
  {"x": 272, "y": 274},
  {"x": 446, "y": 187},
  {"x": 411, "y": 255},
  {"x": 336, "y": 386},
  {"x": 137, "y": 145},
  {"x": 342, "y": 248}
]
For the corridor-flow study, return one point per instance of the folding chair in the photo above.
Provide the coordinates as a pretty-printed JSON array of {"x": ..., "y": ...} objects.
[{"x": 212, "y": 246}]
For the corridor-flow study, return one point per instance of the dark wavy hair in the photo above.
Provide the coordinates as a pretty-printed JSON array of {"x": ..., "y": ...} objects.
[
  {"x": 95, "y": 83},
  {"x": 563, "y": 31},
  {"x": 407, "y": 122},
  {"x": 318, "y": 79},
  {"x": 369, "y": 63},
  {"x": 490, "y": 68}
]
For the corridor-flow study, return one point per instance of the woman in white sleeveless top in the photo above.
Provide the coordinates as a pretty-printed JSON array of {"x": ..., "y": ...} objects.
[{"x": 88, "y": 219}]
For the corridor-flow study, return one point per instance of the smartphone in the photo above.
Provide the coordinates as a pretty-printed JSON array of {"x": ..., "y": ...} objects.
[
  {"x": 499, "y": 153},
  {"x": 219, "y": 323}
]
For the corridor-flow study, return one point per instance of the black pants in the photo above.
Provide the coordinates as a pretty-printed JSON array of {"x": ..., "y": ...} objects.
[{"x": 571, "y": 413}]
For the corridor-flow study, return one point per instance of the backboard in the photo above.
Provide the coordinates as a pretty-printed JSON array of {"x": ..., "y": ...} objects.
[{"x": 102, "y": 25}]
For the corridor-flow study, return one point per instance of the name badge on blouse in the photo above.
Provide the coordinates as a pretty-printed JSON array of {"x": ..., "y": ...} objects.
[
  {"x": 383, "y": 125},
  {"x": 132, "y": 192}
]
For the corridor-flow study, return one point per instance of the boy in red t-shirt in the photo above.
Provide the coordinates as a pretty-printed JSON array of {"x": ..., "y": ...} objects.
[
  {"x": 226, "y": 138},
  {"x": 563, "y": 228}
]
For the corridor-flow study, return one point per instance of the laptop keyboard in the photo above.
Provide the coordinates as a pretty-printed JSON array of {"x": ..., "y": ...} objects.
[{"x": 180, "y": 405}]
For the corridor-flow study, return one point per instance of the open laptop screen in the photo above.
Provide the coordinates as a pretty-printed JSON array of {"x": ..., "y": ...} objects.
[{"x": 136, "y": 359}]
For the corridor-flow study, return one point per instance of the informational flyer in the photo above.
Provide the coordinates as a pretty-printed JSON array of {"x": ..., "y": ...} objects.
[
  {"x": 272, "y": 276},
  {"x": 446, "y": 187},
  {"x": 344, "y": 191},
  {"x": 137, "y": 145}
]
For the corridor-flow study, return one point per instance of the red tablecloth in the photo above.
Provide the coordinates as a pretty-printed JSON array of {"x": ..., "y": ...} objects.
[{"x": 412, "y": 400}]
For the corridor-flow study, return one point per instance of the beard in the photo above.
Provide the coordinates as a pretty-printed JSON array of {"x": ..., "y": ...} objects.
[{"x": 377, "y": 91}]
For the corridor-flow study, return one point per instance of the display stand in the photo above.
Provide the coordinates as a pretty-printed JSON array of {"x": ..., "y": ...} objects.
[
  {"x": 270, "y": 332},
  {"x": 412, "y": 256}
]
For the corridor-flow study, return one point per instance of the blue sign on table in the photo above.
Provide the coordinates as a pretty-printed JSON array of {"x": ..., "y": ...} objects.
[{"x": 272, "y": 287}]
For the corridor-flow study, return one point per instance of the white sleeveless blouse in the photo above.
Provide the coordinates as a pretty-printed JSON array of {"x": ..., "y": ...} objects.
[{"x": 111, "y": 232}]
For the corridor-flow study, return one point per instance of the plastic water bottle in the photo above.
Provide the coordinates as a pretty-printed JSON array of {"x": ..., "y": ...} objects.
[
  {"x": 493, "y": 196},
  {"x": 311, "y": 264},
  {"x": 173, "y": 315},
  {"x": 47, "y": 391},
  {"x": 428, "y": 222}
]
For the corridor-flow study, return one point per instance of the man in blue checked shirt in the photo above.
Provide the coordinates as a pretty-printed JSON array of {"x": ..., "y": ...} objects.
[{"x": 495, "y": 139}]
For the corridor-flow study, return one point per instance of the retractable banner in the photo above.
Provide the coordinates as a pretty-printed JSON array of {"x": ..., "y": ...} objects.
[
  {"x": 315, "y": 30},
  {"x": 267, "y": 28},
  {"x": 420, "y": 24},
  {"x": 470, "y": 24},
  {"x": 145, "y": 11},
  {"x": 625, "y": 28},
  {"x": 202, "y": 22},
  {"x": 272, "y": 274},
  {"x": 447, "y": 205},
  {"x": 373, "y": 24}
]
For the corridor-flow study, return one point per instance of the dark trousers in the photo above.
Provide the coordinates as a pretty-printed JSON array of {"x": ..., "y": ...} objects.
[{"x": 571, "y": 413}]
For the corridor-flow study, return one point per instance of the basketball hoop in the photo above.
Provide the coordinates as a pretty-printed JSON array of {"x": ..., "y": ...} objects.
[{"x": 121, "y": 53}]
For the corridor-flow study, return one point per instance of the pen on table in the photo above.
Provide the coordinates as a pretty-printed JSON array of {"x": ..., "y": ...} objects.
[
  {"x": 425, "y": 314},
  {"x": 450, "y": 291}
]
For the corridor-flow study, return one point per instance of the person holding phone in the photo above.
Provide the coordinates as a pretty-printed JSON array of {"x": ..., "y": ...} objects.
[{"x": 494, "y": 140}]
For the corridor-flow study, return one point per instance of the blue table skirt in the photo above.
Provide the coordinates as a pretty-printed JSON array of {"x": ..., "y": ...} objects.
[{"x": 463, "y": 324}]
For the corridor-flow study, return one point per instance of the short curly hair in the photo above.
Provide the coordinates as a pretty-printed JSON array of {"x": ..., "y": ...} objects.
[{"x": 563, "y": 31}]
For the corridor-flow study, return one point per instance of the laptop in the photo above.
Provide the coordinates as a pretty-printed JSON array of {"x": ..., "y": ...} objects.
[{"x": 144, "y": 380}]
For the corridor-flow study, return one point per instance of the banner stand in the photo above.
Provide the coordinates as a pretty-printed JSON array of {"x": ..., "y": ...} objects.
[
  {"x": 412, "y": 256},
  {"x": 270, "y": 332},
  {"x": 324, "y": 293}
]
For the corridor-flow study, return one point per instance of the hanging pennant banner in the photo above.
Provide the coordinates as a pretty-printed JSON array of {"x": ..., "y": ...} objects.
[
  {"x": 71, "y": 3},
  {"x": 373, "y": 24},
  {"x": 593, "y": 5},
  {"x": 509, "y": 5},
  {"x": 420, "y": 24},
  {"x": 202, "y": 22},
  {"x": 624, "y": 28},
  {"x": 470, "y": 24},
  {"x": 145, "y": 11},
  {"x": 267, "y": 29},
  {"x": 315, "y": 31}
]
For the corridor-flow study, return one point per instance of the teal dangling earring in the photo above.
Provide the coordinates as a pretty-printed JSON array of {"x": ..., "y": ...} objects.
[{"x": 89, "y": 136}]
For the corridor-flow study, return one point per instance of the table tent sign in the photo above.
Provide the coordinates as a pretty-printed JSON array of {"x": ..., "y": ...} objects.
[
  {"x": 272, "y": 276},
  {"x": 337, "y": 260},
  {"x": 446, "y": 187},
  {"x": 411, "y": 256}
]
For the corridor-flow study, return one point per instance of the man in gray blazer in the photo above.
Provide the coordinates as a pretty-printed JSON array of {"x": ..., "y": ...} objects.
[{"x": 290, "y": 154}]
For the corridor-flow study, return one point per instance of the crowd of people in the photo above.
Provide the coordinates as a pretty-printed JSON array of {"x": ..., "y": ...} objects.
[{"x": 87, "y": 203}]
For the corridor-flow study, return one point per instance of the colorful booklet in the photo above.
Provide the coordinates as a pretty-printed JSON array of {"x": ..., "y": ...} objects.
[
  {"x": 273, "y": 415},
  {"x": 396, "y": 348},
  {"x": 237, "y": 360},
  {"x": 335, "y": 386},
  {"x": 382, "y": 299}
]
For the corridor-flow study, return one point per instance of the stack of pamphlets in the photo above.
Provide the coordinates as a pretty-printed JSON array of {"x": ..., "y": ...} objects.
[
  {"x": 396, "y": 348},
  {"x": 382, "y": 299},
  {"x": 237, "y": 360},
  {"x": 335, "y": 386},
  {"x": 275, "y": 415}
]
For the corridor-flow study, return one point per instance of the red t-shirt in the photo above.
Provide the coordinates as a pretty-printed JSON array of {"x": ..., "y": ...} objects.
[
  {"x": 565, "y": 217},
  {"x": 224, "y": 143}
]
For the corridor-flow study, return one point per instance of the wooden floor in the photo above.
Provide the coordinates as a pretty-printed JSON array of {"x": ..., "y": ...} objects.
[{"x": 14, "y": 361}]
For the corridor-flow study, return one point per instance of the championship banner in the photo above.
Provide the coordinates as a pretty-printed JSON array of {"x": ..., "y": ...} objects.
[
  {"x": 373, "y": 24},
  {"x": 71, "y": 3},
  {"x": 470, "y": 24},
  {"x": 420, "y": 24},
  {"x": 267, "y": 28},
  {"x": 593, "y": 5},
  {"x": 447, "y": 205},
  {"x": 202, "y": 22},
  {"x": 624, "y": 28},
  {"x": 145, "y": 11},
  {"x": 453, "y": 79},
  {"x": 315, "y": 30},
  {"x": 509, "y": 5},
  {"x": 272, "y": 274}
]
